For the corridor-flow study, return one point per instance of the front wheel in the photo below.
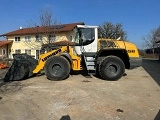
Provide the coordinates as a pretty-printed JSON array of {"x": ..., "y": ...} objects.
[
  {"x": 111, "y": 68},
  {"x": 57, "y": 68}
]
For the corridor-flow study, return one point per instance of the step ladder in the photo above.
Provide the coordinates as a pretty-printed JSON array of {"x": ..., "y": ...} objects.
[{"x": 90, "y": 63}]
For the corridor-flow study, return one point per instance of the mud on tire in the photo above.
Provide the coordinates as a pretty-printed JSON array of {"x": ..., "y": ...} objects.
[{"x": 57, "y": 68}]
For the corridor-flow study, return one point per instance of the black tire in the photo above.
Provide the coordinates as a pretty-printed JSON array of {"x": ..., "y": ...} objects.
[
  {"x": 57, "y": 68},
  {"x": 111, "y": 68}
]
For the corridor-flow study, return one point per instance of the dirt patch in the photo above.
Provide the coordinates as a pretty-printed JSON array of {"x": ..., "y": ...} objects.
[{"x": 133, "y": 97}]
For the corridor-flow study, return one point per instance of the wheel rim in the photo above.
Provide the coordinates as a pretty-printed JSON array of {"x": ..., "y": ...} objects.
[
  {"x": 112, "y": 69},
  {"x": 56, "y": 70}
]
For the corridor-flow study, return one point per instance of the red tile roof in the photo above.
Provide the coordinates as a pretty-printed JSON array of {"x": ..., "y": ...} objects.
[
  {"x": 5, "y": 42},
  {"x": 42, "y": 29}
]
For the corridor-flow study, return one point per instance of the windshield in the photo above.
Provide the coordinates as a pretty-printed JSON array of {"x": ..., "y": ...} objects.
[{"x": 85, "y": 36}]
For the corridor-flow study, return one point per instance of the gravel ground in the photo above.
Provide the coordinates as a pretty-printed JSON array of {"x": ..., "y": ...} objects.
[{"x": 133, "y": 97}]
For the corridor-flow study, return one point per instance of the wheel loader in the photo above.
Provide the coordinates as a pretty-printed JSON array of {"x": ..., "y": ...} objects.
[{"x": 85, "y": 53}]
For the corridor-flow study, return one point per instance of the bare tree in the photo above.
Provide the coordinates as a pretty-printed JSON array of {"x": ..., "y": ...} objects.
[
  {"x": 151, "y": 40},
  {"x": 46, "y": 17},
  {"x": 49, "y": 23},
  {"x": 157, "y": 35},
  {"x": 111, "y": 31},
  {"x": 44, "y": 26}
]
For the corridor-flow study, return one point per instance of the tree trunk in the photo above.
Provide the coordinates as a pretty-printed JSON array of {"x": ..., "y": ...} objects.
[{"x": 153, "y": 53}]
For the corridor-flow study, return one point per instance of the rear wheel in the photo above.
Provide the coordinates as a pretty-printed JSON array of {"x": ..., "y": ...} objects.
[
  {"x": 57, "y": 68},
  {"x": 111, "y": 68}
]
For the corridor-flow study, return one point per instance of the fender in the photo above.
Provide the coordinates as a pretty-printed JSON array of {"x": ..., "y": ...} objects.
[
  {"x": 67, "y": 56},
  {"x": 121, "y": 53}
]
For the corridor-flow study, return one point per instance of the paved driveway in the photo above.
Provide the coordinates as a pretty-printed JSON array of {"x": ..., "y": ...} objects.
[{"x": 153, "y": 69}]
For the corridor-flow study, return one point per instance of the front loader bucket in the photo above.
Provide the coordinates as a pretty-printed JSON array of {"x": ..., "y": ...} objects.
[{"x": 22, "y": 67}]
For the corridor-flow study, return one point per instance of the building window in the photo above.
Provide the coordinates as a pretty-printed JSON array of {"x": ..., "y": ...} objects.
[
  {"x": 3, "y": 51},
  {"x": 9, "y": 53},
  {"x": 38, "y": 52},
  {"x": 27, "y": 38},
  {"x": 38, "y": 38},
  {"x": 17, "y": 39},
  {"x": 71, "y": 37},
  {"x": 51, "y": 38},
  {"x": 18, "y": 51},
  {"x": 28, "y": 51}
]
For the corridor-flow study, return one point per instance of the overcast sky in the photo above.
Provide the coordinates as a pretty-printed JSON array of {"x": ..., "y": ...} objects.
[{"x": 137, "y": 16}]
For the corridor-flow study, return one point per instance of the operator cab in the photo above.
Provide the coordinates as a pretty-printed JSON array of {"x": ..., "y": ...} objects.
[
  {"x": 84, "y": 36},
  {"x": 86, "y": 39}
]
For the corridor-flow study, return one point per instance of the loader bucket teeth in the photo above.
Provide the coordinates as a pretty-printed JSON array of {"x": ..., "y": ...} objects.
[{"x": 21, "y": 68}]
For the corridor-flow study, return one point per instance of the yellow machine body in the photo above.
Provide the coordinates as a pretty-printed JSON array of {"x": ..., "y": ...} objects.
[
  {"x": 75, "y": 64},
  {"x": 76, "y": 60},
  {"x": 112, "y": 43}
]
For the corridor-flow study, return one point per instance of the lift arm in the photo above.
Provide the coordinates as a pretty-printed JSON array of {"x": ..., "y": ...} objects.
[{"x": 45, "y": 56}]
